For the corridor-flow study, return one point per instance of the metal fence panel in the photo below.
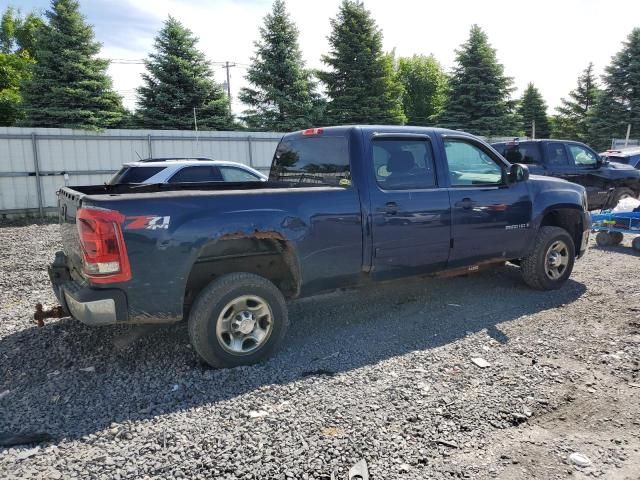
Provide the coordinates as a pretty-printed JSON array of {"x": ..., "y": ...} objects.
[{"x": 33, "y": 160}]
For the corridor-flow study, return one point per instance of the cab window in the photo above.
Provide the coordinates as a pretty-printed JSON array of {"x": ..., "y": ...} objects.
[
  {"x": 403, "y": 164},
  {"x": 583, "y": 157},
  {"x": 556, "y": 154},
  {"x": 197, "y": 174},
  {"x": 232, "y": 174},
  {"x": 470, "y": 165}
]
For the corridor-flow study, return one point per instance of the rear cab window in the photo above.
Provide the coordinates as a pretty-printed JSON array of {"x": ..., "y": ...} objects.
[
  {"x": 134, "y": 174},
  {"x": 312, "y": 160},
  {"x": 556, "y": 154},
  {"x": 521, "y": 152}
]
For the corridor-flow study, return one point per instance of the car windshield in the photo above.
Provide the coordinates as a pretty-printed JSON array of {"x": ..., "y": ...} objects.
[{"x": 134, "y": 175}]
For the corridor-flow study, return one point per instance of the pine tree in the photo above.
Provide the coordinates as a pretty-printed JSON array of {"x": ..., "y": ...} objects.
[
  {"x": 281, "y": 93},
  {"x": 178, "y": 80},
  {"x": 572, "y": 121},
  {"x": 532, "y": 108},
  {"x": 361, "y": 84},
  {"x": 17, "y": 46},
  {"x": 69, "y": 86},
  {"x": 619, "y": 104},
  {"x": 425, "y": 88},
  {"x": 479, "y": 92}
]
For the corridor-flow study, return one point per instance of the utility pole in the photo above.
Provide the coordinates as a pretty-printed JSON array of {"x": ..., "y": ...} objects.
[
  {"x": 626, "y": 140},
  {"x": 533, "y": 129},
  {"x": 227, "y": 66}
]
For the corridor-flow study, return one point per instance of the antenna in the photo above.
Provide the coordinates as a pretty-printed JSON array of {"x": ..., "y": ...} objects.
[{"x": 138, "y": 154}]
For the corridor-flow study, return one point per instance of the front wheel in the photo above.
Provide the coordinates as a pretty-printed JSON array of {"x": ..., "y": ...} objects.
[
  {"x": 551, "y": 262},
  {"x": 238, "y": 319}
]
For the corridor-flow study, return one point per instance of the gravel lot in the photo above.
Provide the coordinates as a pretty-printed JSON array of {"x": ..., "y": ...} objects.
[{"x": 385, "y": 375}]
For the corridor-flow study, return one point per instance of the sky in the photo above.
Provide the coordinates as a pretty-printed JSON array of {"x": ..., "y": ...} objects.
[{"x": 547, "y": 42}]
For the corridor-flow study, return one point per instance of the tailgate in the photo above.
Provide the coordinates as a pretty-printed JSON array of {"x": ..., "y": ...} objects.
[{"x": 69, "y": 201}]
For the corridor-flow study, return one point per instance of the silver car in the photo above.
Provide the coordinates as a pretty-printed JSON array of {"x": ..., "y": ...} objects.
[{"x": 185, "y": 170}]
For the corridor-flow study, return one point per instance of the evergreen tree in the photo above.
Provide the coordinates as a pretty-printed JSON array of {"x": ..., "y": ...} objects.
[
  {"x": 572, "y": 121},
  {"x": 532, "y": 108},
  {"x": 69, "y": 86},
  {"x": 179, "y": 79},
  {"x": 619, "y": 104},
  {"x": 361, "y": 85},
  {"x": 17, "y": 46},
  {"x": 425, "y": 88},
  {"x": 280, "y": 95},
  {"x": 479, "y": 91}
]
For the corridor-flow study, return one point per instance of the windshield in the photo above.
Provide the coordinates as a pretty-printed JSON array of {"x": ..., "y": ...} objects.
[
  {"x": 134, "y": 174},
  {"x": 315, "y": 160}
]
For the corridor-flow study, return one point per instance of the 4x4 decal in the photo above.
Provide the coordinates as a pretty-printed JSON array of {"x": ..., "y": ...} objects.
[{"x": 147, "y": 222}]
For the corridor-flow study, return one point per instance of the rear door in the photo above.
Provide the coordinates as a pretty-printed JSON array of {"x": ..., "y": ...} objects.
[
  {"x": 411, "y": 216},
  {"x": 490, "y": 218}
]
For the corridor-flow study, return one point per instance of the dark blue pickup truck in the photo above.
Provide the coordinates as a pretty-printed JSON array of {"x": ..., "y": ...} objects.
[{"x": 343, "y": 206}]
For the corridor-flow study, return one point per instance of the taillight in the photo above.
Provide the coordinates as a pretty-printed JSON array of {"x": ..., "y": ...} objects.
[
  {"x": 312, "y": 131},
  {"x": 104, "y": 254}
]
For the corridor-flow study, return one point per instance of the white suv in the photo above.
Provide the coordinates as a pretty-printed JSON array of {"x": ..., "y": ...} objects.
[{"x": 188, "y": 169}]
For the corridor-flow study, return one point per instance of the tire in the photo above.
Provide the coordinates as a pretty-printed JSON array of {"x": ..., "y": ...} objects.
[
  {"x": 616, "y": 238},
  {"x": 537, "y": 266},
  {"x": 619, "y": 194},
  {"x": 635, "y": 244},
  {"x": 604, "y": 239},
  {"x": 224, "y": 312}
]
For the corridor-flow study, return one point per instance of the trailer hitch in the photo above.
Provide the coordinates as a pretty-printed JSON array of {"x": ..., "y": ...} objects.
[{"x": 40, "y": 315}]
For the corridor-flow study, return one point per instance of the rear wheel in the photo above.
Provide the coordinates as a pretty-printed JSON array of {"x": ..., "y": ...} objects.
[
  {"x": 551, "y": 262},
  {"x": 616, "y": 238},
  {"x": 603, "y": 239},
  {"x": 635, "y": 244},
  {"x": 238, "y": 319},
  {"x": 621, "y": 193}
]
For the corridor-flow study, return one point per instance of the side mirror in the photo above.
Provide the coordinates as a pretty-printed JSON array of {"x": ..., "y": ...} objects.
[
  {"x": 518, "y": 173},
  {"x": 600, "y": 161}
]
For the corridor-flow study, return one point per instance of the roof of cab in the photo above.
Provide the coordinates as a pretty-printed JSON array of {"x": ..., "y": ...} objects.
[{"x": 379, "y": 129}]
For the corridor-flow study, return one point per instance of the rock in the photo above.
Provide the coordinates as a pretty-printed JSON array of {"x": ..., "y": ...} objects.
[
  {"x": 88, "y": 369},
  {"x": 480, "y": 362},
  {"x": 30, "y": 452},
  {"x": 579, "y": 460},
  {"x": 258, "y": 414},
  {"x": 4, "y": 393}
]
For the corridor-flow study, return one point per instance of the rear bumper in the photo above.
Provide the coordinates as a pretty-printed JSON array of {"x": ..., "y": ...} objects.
[{"x": 91, "y": 306}]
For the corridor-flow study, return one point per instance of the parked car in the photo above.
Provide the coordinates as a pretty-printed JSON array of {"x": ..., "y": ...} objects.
[
  {"x": 578, "y": 163},
  {"x": 343, "y": 206},
  {"x": 628, "y": 156},
  {"x": 185, "y": 169}
]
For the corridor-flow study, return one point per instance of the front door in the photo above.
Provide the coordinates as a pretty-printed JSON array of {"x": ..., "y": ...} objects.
[
  {"x": 490, "y": 218},
  {"x": 410, "y": 212},
  {"x": 587, "y": 166}
]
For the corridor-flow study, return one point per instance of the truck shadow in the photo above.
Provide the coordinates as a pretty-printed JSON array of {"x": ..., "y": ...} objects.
[{"x": 144, "y": 373}]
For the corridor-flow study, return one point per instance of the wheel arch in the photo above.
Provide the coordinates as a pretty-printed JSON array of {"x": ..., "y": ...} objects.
[
  {"x": 264, "y": 253},
  {"x": 568, "y": 217}
]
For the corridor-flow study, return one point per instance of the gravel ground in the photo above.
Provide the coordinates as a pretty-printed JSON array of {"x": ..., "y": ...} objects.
[{"x": 382, "y": 374}]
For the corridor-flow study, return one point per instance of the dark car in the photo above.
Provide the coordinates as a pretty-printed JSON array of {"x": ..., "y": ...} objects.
[
  {"x": 577, "y": 163},
  {"x": 343, "y": 206}
]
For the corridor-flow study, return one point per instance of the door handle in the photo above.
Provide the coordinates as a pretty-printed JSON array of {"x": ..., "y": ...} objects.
[
  {"x": 465, "y": 203},
  {"x": 391, "y": 208}
]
